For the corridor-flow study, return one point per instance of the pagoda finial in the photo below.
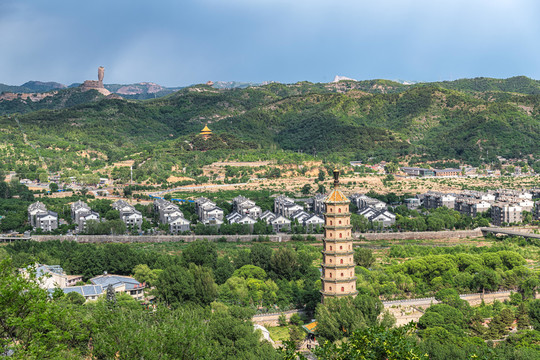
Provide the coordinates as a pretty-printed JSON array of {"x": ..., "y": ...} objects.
[{"x": 336, "y": 178}]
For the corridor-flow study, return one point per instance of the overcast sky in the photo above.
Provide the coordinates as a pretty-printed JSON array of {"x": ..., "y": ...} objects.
[{"x": 181, "y": 42}]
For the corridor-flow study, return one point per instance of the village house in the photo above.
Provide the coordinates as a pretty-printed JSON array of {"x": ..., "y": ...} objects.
[
  {"x": 280, "y": 224},
  {"x": 128, "y": 214},
  {"x": 81, "y": 214},
  {"x": 53, "y": 276},
  {"x": 179, "y": 225},
  {"x": 246, "y": 206},
  {"x": 285, "y": 206},
  {"x": 361, "y": 201},
  {"x": 121, "y": 284},
  {"x": 313, "y": 221},
  {"x": 383, "y": 217},
  {"x": 316, "y": 204}
]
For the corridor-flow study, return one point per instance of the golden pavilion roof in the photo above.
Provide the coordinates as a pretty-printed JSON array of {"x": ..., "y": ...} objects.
[
  {"x": 336, "y": 196},
  {"x": 206, "y": 130}
]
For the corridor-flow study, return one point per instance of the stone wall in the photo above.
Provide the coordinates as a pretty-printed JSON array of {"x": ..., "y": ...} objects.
[
  {"x": 272, "y": 319},
  {"x": 427, "y": 235}
]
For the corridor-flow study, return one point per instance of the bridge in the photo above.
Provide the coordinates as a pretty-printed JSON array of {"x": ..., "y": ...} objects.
[
  {"x": 5, "y": 238},
  {"x": 496, "y": 231}
]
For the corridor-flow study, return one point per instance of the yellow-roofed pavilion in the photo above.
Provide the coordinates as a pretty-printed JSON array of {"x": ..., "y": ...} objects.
[{"x": 206, "y": 132}]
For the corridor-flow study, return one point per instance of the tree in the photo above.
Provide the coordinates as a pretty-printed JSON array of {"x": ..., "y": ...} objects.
[
  {"x": 321, "y": 175},
  {"x": 143, "y": 274},
  {"x": 31, "y": 324},
  {"x": 112, "y": 215},
  {"x": 374, "y": 343},
  {"x": 339, "y": 317},
  {"x": 284, "y": 262},
  {"x": 203, "y": 284},
  {"x": 282, "y": 320},
  {"x": 175, "y": 285},
  {"x": 306, "y": 189},
  {"x": 250, "y": 272},
  {"x": 296, "y": 335},
  {"x": 202, "y": 253},
  {"x": 75, "y": 298},
  {"x": 363, "y": 257},
  {"x": 391, "y": 168},
  {"x": 261, "y": 256},
  {"x": 53, "y": 187},
  {"x": 534, "y": 314}
]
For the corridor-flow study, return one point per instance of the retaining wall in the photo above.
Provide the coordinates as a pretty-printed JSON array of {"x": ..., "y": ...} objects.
[
  {"x": 271, "y": 319},
  {"x": 427, "y": 235}
]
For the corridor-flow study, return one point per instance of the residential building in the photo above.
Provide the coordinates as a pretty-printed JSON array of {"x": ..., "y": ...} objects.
[
  {"x": 246, "y": 206},
  {"x": 90, "y": 292},
  {"x": 128, "y": 214},
  {"x": 121, "y": 284},
  {"x": 53, "y": 276},
  {"x": 212, "y": 221},
  {"x": 470, "y": 206},
  {"x": 382, "y": 217},
  {"x": 412, "y": 203},
  {"x": 505, "y": 213},
  {"x": 447, "y": 172},
  {"x": 132, "y": 218},
  {"x": 81, "y": 213},
  {"x": 268, "y": 216},
  {"x": 435, "y": 199},
  {"x": 84, "y": 218},
  {"x": 313, "y": 221},
  {"x": 300, "y": 216},
  {"x": 179, "y": 225},
  {"x": 361, "y": 201},
  {"x": 47, "y": 221},
  {"x": 285, "y": 206},
  {"x": 280, "y": 223},
  {"x": 244, "y": 220},
  {"x": 337, "y": 268},
  {"x": 77, "y": 208},
  {"x": 318, "y": 206},
  {"x": 35, "y": 209}
]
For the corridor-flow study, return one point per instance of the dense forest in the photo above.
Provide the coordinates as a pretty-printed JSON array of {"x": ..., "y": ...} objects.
[{"x": 207, "y": 292}]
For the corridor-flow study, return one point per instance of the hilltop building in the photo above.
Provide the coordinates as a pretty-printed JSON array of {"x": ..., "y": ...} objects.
[
  {"x": 338, "y": 277},
  {"x": 206, "y": 132}
]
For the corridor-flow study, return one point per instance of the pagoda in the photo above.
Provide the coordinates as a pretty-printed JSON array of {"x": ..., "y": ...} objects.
[
  {"x": 338, "y": 276},
  {"x": 206, "y": 132}
]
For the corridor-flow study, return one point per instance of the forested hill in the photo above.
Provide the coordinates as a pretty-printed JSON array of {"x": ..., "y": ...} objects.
[{"x": 359, "y": 119}]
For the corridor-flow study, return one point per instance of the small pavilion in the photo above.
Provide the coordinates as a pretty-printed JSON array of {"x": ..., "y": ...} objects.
[{"x": 206, "y": 132}]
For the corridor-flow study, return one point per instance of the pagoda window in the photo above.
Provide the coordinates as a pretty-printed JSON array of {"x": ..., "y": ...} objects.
[
  {"x": 330, "y": 260},
  {"x": 341, "y": 261},
  {"x": 330, "y": 274},
  {"x": 341, "y": 274},
  {"x": 339, "y": 210},
  {"x": 330, "y": 247},
  {"x": 341, "y": 248},
  {"x": 342, "y": 288},
  {"x": 339, "y": 222},
  {"x": 330, "y": 222},
  {"x": 340, "y": 235}
]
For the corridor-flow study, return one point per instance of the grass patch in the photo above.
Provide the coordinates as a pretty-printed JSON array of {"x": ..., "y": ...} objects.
[{"x": 279, "y": 333}]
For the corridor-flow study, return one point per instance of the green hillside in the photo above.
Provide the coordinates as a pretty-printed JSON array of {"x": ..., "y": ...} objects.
[
  {"x": 350, "y": 120},
  {"x": 62, "y": 99}
]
